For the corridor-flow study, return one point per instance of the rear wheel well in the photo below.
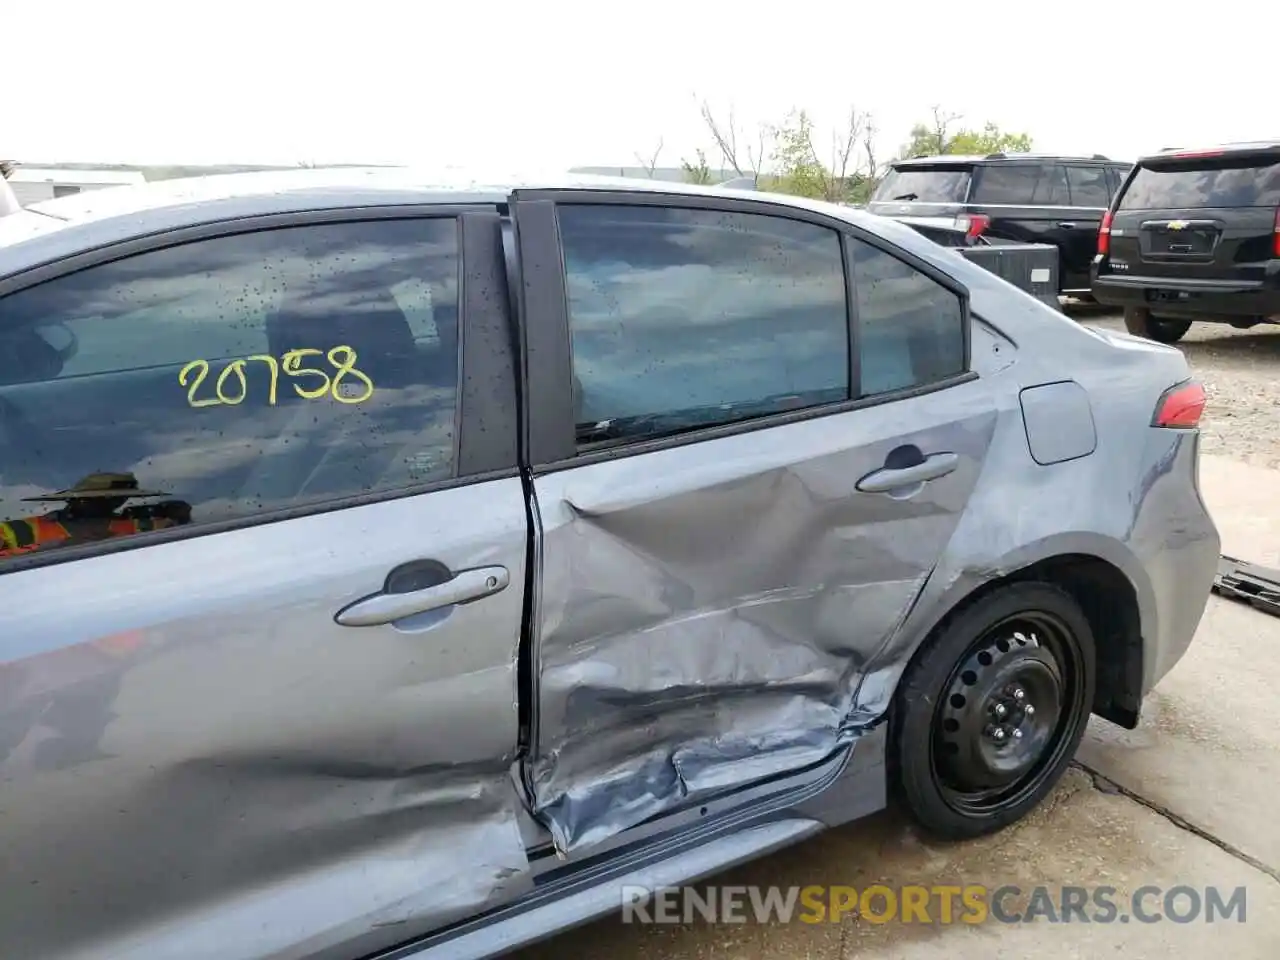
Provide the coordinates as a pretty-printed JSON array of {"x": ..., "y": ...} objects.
[{"x": 1110, "y": 604}]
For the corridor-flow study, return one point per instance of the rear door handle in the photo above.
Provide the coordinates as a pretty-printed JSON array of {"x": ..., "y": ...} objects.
[
  {"x": 893, "y": 478},
  {"x": 462, "y": 587},
  {"x": 1066, "y": 225}
]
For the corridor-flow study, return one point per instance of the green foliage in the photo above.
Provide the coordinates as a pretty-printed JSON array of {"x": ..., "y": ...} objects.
[
  {"x": 697, "y": 171},
  {"x": 932, "y": 141}
]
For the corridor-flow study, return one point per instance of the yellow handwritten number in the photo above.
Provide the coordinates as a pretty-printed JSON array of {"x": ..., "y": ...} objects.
[
  {"x": 344, "y": 367},
  {"x": 236, "y": 366},
  {"x": 270, "y": 361},
  {"x": 293, "y": 367},
  {"x": 202, "y": 366}
]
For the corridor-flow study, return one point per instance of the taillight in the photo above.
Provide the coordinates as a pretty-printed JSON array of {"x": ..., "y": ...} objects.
[
  {"x": 974, "y": 225},
  {"x": 1181, "y": 406},
  {"x": 1104, "y": 234},
  {"x": 1275, "y": 236}
]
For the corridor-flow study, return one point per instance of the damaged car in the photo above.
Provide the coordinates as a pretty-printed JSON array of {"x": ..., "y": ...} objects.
[{"x": 394, "y": 568}]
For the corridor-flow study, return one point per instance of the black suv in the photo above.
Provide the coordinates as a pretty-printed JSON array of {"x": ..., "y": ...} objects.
[
  {"x": 1015, "y": 197},
  {"x": 1194, "y": 235}
]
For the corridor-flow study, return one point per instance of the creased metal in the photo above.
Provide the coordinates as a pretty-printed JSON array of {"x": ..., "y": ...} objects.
[{"x": 707, "y": 613}]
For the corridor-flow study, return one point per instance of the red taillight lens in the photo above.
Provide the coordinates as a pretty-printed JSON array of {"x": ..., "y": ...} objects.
[
  {"x": 1181, "y": 406},
  {"x": 974, "y": 224},
  {"x": 1104, "y": 234},
  {"x": 1275, "y": 236}
]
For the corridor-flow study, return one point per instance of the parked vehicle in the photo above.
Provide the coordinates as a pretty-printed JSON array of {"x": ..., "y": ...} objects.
[
  {"x": 399, "y": 570},
  {"x": 1194, "y": 235},
  {"x": 1016, "y": 197}
]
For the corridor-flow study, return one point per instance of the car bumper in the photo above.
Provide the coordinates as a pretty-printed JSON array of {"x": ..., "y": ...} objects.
[{"x": 1169, "y": 296}]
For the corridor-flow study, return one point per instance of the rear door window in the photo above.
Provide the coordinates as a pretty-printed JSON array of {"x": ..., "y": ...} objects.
[
  {"x": 223, "y": 378},
  {"x": 1230, "y": 184},
  {"x": 1022, "y": 183},
  {"x": 941, "y": 184},
  {"x": 1089, "y": 186}
]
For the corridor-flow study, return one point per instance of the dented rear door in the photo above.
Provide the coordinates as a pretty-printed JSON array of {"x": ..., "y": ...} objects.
[{"x": 714, "y": 578}]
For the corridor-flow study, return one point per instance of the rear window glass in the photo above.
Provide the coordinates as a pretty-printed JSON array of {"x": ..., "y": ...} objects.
[
  {"x": 925, "y": 184},
  {"x": 1237, "y": 185}
]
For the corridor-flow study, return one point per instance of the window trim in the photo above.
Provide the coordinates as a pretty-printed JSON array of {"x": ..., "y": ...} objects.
[
  {"x": 486, "y": 413},
  {"x": 546, "y": 361}
]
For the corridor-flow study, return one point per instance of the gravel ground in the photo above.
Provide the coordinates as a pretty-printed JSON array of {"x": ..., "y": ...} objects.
[{"x": 1240, "y": 370}]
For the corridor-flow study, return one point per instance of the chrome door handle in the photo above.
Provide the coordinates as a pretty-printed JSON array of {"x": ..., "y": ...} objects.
[
  {"x": 464, "y": 587},
  {"x": 893, "y": 478},
  {"x": 1066, "y": 225}
]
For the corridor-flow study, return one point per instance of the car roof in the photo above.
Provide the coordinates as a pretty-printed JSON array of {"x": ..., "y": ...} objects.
[
  {"x": 1191, "y": 153},
  {"x": 946, "y": 159},
  {"x": 54, "y": 229}
]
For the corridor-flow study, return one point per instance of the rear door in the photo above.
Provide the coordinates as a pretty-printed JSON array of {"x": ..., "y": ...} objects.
[
  {"x": 1028, "y": 201},
  {"x": 753, "y": 434},
  {"x": 1199, "y": 217},
  {"x": 261, "y": 614}
]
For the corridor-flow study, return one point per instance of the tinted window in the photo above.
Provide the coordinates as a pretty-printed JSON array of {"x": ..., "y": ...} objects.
[
  {"x": 685, "y": 318},
  {"x": 925, "y": 184},
  {"x": 911, "y": 328},
  {"x": 1203, "y": 185},
  {"x": 218, "y": 379},
  {"x": 1089, "y": 187},
  {"x": 1007, "y": 183}
]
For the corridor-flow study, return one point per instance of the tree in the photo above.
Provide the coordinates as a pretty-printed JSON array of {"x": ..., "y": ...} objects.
[
  {"x": 650, "y": 163},
  {"x": 800, "y": 170},
  {"x": 939, "y": 136},
  {"x": 743, "y": 154}
]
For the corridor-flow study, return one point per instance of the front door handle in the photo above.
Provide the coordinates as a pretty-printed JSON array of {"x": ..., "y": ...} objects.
[
  {"x": 894, "y": 478},
  {"x": 1066, "y": 225},
  {"x": 462, "y": 587}
]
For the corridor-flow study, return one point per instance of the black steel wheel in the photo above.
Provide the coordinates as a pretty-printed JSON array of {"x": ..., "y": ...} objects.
[{"x": 992, "y": 709}]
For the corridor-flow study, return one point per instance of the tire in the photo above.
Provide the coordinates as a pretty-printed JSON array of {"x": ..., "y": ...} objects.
[
  {"x": 1140, "y": 322},
  {"x": 956, "y": 776}
]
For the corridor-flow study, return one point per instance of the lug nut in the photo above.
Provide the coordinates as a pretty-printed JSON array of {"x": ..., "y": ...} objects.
[
  {"x": 998, "y": 733},
  {"x": 1018, "y": 693},
  {"x": 1000, "y": 710},
  {"x": 1030, "y": 711},
  {"x": 1017, "y": 734}
]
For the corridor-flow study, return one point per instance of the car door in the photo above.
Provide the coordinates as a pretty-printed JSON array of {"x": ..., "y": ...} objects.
[
  {"x": 1028, "y": 201},
  {"x": 734, "y": 516},
  {"x": 261, "y": 613}
]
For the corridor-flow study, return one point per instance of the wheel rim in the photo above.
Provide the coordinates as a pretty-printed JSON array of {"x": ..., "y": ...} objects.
[{"x": 1007, "y": 714}]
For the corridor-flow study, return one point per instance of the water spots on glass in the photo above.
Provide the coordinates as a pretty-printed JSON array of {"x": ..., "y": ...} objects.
[{"x": 109, "y": 401}]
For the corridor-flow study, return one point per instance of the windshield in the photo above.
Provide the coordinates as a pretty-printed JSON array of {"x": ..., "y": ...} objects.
[
  {"x": 1220, "y": 184},
  {"x": 948, "y": 184}
]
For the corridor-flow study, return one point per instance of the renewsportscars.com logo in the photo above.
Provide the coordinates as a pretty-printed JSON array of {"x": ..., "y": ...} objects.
[{"x": 936, "y": 904}]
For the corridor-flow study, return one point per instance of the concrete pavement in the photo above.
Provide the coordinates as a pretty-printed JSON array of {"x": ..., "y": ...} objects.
[{"x": 1184, "y": 800}]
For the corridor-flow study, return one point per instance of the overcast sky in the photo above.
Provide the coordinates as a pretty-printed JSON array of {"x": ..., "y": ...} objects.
[{"x": 559, "y": 83}]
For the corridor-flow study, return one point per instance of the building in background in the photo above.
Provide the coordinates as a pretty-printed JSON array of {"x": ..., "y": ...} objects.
[{"x": 34, "y": 184}]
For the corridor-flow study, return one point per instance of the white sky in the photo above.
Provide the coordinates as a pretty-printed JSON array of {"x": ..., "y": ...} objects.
[{"x": 563, "y": 83}]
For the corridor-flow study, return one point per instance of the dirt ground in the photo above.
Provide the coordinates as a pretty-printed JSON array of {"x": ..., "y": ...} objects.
[{"x": 1240, "y": 370}]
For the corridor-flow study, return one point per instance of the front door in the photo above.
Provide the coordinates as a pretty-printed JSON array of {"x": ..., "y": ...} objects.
[
  {"x": 728, "y": 536},
  {"x": 257, "y": 671}
]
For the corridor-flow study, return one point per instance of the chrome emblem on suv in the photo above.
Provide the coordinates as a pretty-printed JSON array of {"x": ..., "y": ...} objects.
[{"x": 1177, "y": 224}]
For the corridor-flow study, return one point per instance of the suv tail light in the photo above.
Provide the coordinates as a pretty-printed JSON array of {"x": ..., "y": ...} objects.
[
  {"x": 974, "y": 225},
  {"x": 1181, "y": 406},
  {"x": 1104, "y": 234},
  {"x": 1275, "y": 236}
]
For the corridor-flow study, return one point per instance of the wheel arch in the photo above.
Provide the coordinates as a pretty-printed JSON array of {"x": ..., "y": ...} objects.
[{"x": 1100, "y": 574}]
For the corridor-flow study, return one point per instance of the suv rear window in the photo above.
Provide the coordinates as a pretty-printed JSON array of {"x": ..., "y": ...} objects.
[
  {"x": 942, "y": 184},
  {"x": 1220, "y": 184}
]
